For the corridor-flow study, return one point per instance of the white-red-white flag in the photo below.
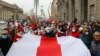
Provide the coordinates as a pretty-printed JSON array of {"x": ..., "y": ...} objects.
[{"x": 32, "y": 45}]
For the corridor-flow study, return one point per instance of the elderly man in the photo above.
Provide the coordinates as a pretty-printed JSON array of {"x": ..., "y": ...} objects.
[
  {"x": 48, "y": 45},
  {"x": 95, "y": 45}
]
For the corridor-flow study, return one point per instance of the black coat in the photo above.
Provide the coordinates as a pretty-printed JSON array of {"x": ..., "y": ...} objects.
[
  {"x": 5, "y": 43},
  {"x": 95, "y": 48}
]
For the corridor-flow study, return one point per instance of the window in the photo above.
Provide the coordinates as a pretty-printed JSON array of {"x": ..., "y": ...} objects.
[{"x": 92, "y": 12}]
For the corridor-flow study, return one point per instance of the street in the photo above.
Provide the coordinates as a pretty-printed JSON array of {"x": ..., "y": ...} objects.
[{"x": 2, "y": 26}]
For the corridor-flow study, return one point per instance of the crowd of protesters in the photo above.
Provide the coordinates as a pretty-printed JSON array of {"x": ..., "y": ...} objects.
[{"x": 88, "y": 32}]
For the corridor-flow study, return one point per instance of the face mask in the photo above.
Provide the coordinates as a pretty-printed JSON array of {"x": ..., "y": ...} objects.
[
  {"x": 26, "y": 30},
  {"x": 12, "y": 26},
  {"x": 4, "y": 36},
  {"x": 73, "y": 30},
  {"x": 81, "y": 28},
  {"x": 36, "y": 31},
  {"x": 86, "y": 33},
  {"x": 48, "y": 31},
  {"x": 25, "y": 24}
]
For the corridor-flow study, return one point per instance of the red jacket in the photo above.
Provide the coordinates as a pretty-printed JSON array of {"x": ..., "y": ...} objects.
[
  {"x": 74, "y": 34},
  {"x": 17, "y": 36},
  {"x": 20, "y": 28}
]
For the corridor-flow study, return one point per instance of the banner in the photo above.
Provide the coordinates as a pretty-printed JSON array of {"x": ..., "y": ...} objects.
[{"x": 32, "y": 45}]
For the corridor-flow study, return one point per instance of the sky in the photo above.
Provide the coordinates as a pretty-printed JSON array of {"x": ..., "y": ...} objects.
[{"x": 28, "y": 5}]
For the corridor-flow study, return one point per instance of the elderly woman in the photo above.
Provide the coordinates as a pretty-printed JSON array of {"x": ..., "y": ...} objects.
[{"x": 95, "y": 45}]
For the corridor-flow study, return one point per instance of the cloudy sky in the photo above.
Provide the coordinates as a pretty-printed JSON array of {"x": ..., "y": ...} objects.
[{"x": 28, "y": 5}]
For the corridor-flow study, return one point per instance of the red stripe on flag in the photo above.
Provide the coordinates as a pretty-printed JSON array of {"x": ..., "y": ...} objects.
[{"x": 49, "y": 47}]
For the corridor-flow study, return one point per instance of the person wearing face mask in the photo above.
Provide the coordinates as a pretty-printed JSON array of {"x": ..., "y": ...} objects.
[
  {"x": 74, "y": 32},
  {"x": 95, "y": 44},
  {"x": 11, "y": 28},
  {"x": 18, "y": 35},
  {"x": 41, "y": 31},
  {"x": 86, "y": 37},
  {"x": 62, "y": 30},
  {"x": 49, "y": 32},
  {"x": 6, "y": 42},
  {"x": 48, "y": 45},
  {"x": 1, "y": 54}
]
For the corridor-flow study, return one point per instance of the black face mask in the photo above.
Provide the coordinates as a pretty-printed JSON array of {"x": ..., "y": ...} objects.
[{"x": 50, "y": 34}]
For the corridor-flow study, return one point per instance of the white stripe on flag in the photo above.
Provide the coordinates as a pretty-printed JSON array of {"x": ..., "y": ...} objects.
[
  {"x": 27, "y": 46},
  {"x": 71, "y": 46}
]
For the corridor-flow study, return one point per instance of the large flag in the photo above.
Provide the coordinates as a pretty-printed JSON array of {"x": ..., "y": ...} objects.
[{"x": 32, "y": 45}]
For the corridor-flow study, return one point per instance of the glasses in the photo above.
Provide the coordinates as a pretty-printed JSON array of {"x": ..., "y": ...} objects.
[{"x": 97, "y": 35}]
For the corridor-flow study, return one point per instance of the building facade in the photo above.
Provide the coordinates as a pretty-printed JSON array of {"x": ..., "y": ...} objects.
[
  {"x": 9, "y": 11},
  {"x": 82, "y": 10},
  {"x": 54, "y": 12},
  {"x": 94, "y": 9}
]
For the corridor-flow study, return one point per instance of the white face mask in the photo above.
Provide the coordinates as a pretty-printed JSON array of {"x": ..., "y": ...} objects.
[
  {"x": 25, "y": 24},
  {"x": 12, "y": 26},
  {"x": 26, "y": 30},
  {"x": 35, "y": 31},
  {"x": 73, "y": 30},
  {"x": 86, "y": 33},
  {"x": 4, "y": 36},
  {"x": 48, "y": 30},
  {"x": 81, "y": 28}
]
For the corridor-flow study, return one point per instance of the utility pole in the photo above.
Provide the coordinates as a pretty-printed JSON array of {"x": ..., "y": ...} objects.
[
  {"x": 36, "y": 4},
  {"x": 49, "y": 9},
  {"x": 42, "y": 13}
]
